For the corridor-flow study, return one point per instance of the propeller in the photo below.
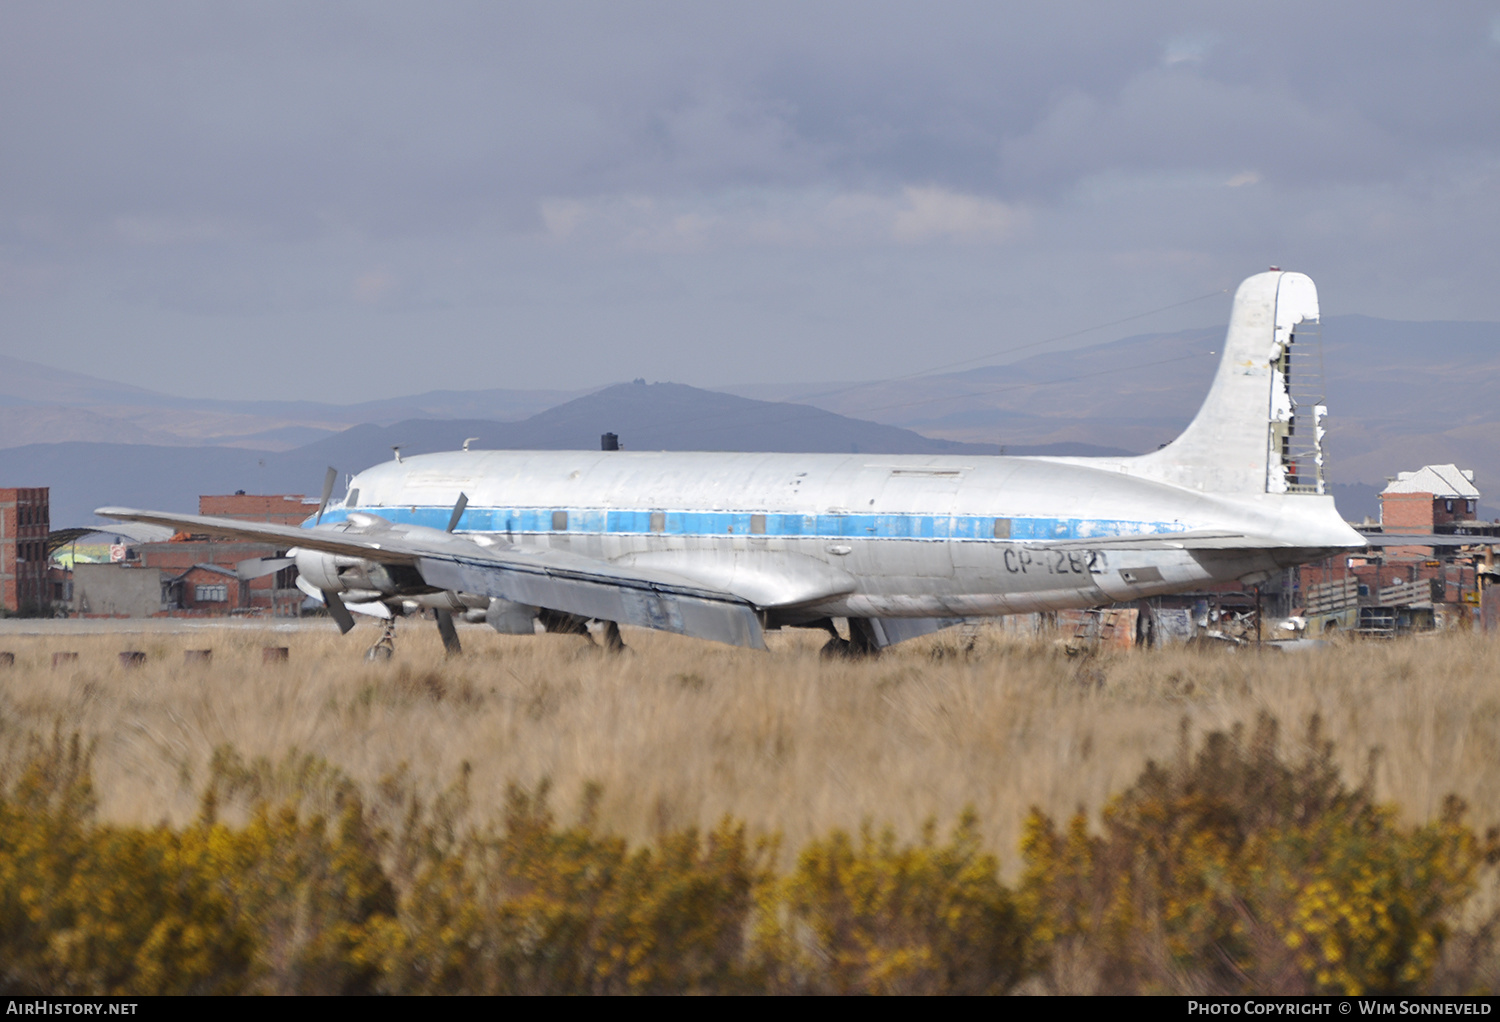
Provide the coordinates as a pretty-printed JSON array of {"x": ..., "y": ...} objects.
[
  {"x": 445, "y": 625},
  {"x": 338, "y": 611},
  {"x": 259, "y": 567},
  {"x": 446, "y": 629},
  {"x": 458, "y": 511},
  {"x": 328, "y": 481}
]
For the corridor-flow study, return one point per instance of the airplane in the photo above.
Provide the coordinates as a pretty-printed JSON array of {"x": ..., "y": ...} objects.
[{"x": 726, "y": 546}]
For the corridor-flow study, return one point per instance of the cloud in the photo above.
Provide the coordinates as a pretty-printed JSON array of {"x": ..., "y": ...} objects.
[
  {"x": 1187, "y": 49},
  {"x": 153, "y": 231},
  {"x": 497, "y": 171},
  {"x": 926, "y": 214},
  {"x": 370, "y": 288},
  {"x": 931, "y": 213}
]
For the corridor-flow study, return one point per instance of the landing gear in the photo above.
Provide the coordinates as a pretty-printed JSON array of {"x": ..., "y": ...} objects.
[
  {"x": 559, "y": 623},
  {"x": 451, "y": 646},
  {"x": 385, "y": 646},
  {"x": 571, "y": 624},
  {"x": 862, "y": 641},
  {"x": 835, "y": 648},
  {"x": 860, "y": 645}
]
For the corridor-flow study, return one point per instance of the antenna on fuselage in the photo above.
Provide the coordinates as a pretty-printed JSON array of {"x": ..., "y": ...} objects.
[
  {"x": 469, "y": 441},
  {"x": 396, "y": 449}
]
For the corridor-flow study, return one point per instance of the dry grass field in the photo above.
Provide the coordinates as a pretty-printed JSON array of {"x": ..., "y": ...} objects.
[{"x": 679, "y": 732}]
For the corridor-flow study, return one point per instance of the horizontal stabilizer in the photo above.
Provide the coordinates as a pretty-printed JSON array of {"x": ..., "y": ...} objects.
[{"x": 1385, "y": 539}]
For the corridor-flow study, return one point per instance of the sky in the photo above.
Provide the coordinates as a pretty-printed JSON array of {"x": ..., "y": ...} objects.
[{"x": 349, "y": 201}]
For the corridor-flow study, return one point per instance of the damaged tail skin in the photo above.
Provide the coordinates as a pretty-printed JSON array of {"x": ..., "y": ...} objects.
[{"x": 1256, "y": 433}]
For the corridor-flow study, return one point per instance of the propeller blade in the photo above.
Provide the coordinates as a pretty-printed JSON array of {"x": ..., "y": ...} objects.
[
  {"x": 451, "y": 645},
  {"x": 458, "y": 511},
  {"x": 259, "y": 567},
  {"x": 338, "y": 611},
  {"x": 328, "y": 481}
]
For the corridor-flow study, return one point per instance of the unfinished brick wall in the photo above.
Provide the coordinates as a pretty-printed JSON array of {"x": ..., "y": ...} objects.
[
  {"x": 1406, "y": 512},
  {"x": 279, "y": 508}
]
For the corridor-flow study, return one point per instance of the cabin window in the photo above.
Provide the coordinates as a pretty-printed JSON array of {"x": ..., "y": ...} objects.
[
  {"x": 757, "y": 525},
  {"x": 559, "y": 521},
  {"x": 658, "y": 521},
  {"x": 353, "y": 499},
  {"x": 1002, "y": 528}
]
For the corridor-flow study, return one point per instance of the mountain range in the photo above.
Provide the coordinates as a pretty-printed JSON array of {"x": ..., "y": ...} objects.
[
  {"x": 96, "y": 441},
  {"x": 663, "y": 416}
]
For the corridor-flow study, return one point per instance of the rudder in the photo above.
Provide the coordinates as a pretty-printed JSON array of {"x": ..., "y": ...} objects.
[{"x": 1256, "y": 432}]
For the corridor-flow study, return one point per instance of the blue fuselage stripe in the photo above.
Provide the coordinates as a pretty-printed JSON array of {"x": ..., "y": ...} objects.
[{"x": 613, "y": 521}]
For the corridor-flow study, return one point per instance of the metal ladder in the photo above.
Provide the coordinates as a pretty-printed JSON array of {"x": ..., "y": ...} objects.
[{"x": 1097, "y": 628}]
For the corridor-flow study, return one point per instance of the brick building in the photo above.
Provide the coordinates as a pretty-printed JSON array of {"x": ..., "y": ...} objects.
[
  {"x": 1397, "y": 588},
  {"x": 25, "y": 520},
  {"x": 208, "y": 588},
  {"x": 187, "y": 561},
  {"x": 279, "y": 508},
  {"x": 1435, "y": 498}
]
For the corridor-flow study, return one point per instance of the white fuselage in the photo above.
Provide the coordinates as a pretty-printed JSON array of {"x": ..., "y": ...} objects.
[{"x": 856, "y": 535}]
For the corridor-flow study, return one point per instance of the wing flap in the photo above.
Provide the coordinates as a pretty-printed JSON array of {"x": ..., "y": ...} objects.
[{"x": 609, "y": 595}]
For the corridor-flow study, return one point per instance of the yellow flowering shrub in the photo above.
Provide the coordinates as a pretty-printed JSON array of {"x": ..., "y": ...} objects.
[
  {"x": 547, "y": 909},
  {"x": 1232, "y": 869},
  {"x": 1235, "y": 871},
  {"x": 872, "y": 916},
  {"x": 89, "y": 909}
]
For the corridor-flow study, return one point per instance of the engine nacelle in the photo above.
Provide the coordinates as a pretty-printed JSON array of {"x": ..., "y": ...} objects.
[
  {"x": 341, "y": 573},
  {"x": 509, "y": 618}
]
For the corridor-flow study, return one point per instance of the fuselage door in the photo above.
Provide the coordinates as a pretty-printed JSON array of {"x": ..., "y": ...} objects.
[{"x": 916, "y": 504}]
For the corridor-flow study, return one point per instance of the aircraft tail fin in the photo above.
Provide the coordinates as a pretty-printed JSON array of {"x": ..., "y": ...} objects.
[{"x": 1260, "y": 429}]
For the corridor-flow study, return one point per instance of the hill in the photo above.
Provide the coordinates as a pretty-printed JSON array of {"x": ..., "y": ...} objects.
[
  {"x": 1400, "y": 395},
  {"x": 647, "y": 416}
]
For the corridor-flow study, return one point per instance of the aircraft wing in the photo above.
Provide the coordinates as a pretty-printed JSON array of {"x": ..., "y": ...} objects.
[
  {"x": 555, "y": 579},
  {"x": 330, "y": 539}
]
